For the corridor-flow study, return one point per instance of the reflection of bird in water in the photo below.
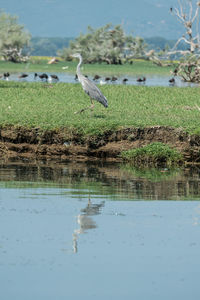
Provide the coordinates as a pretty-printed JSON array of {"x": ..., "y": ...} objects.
[
  {"x": 85, "y": 221},
  {"x": 89, "y": 87},
  {"x": 92, "y": 209}
]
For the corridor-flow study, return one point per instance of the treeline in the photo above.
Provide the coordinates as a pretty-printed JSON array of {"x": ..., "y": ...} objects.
[{"x": 49, "y": 46}]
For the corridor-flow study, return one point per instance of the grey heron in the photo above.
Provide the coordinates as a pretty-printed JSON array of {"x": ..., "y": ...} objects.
[{"x": 89, "y": 87}]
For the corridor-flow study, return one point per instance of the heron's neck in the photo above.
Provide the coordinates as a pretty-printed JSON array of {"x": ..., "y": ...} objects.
[{"x": 78, "y": 70}]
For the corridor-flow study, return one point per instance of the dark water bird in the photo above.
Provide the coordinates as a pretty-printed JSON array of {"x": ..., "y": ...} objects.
[
  {"x": 23, "y": 75},
  {"x": 76, "y": 77},
  {"x": 44, "y": 76},
  {"x": 172, "y": 81},
  {"x": 113, "y": 78},
  {"x": 143, "y": 79},
  {"x": 96, "y": 77},
  {"x": 171, "y": 9},
  {"x": 6, "y": 75},
  {"x": 124, "y": 81},
  {"x": 107, "y": 79},
  {"x": 54, "y": 77},
  {"x": 175, "y": 72},
  {"x": 89, "y": 87},
  {"x": 35, "y": 76}
]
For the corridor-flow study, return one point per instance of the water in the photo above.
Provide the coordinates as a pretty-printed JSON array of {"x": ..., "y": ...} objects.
[
  {"x": 152, "y": 80},
  {"x": 98, "y": 231}
]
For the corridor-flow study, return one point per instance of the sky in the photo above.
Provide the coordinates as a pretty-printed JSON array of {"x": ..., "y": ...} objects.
[{"x": 68, "y": 18}]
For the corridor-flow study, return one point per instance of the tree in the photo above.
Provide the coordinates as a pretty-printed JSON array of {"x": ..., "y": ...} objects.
[
  {"x": 189, "y": 66},
  {"x": 188, "y": 15},
  {"x": 187, "y": 47},
  {"x": 13, "y": 38},
  {"x": 106, "y": 44}
]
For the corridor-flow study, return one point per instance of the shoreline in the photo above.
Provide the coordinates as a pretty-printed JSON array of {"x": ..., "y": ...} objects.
[{"x": 34, "y": 143}]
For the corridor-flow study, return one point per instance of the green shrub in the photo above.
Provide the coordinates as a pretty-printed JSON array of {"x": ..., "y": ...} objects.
[{"x": 153, "y": 154}]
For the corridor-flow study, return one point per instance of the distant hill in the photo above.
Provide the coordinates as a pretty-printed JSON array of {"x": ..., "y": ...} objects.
[
  {"x": 48, "y": 46},
  {"x": 158, "y": 43}
]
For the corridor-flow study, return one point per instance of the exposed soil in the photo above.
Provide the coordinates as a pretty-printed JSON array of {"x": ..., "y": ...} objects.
[{"x": 33, "y": 143}]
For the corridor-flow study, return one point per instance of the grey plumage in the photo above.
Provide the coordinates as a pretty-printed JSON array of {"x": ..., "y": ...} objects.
[{"x": 88, "y": 86}]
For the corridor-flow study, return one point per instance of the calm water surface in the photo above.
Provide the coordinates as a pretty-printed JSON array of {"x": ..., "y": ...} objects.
[
  {"x": 98, "y": 231},
  {"x": 152, "y": 80}
]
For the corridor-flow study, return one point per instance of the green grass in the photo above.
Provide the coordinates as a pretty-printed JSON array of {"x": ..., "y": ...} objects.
[
  {"x": 39, "y": 64},
  {"x": 155, "y": 153},
  {"x": 53, "y": 106}
]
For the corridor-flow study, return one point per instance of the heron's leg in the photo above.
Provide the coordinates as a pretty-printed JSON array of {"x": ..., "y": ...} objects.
[
  {"x": 92, "y": 104},
  {"x": 83, "y": 109}
]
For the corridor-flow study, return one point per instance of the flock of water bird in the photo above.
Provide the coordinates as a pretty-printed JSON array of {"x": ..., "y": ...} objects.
[
  {"x": 43, "y": 76},
  {"x": 97, "y": 78}
]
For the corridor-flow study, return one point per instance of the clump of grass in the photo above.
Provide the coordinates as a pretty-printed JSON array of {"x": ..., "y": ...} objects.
[{"x": 153, "y": 154}]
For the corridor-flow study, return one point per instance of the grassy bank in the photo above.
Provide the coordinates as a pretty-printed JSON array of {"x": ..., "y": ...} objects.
[
  {"x": 53, "y": 106},
  {"x": 39, "y": 64}
]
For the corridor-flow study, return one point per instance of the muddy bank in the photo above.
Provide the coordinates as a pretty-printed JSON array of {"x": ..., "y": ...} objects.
[{"x": 34, "y": 143}]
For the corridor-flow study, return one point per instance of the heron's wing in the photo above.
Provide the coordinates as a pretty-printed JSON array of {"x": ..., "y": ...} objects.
[{"x": 92, "y": 90}]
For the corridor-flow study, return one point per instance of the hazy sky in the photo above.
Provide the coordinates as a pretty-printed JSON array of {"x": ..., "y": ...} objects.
[{"x": 67, "y": 18}]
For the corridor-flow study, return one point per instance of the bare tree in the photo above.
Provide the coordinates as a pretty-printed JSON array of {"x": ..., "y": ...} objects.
[
  {"x": 187, "y": 47},
  {"x": 188, "y": 15},
  {"x": 189, "y": 65}
]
